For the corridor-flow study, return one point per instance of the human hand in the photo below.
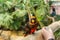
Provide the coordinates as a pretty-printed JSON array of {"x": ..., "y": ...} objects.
[{"x": 47, "y": 33}]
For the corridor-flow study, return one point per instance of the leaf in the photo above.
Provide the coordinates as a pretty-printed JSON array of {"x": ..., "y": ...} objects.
[
  {"x": 20, "y": 13},
  {"x": 5, "y": 20},
  {"x": 40, "y": 13}
]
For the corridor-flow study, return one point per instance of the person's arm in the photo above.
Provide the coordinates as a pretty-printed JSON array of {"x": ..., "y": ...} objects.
[
  {"x": 48, "y": 31},
  {"x": 55, "y": 26}
]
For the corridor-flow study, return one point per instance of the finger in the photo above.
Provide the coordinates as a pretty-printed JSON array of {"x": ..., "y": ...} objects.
[{"x": 46, "y": 29}]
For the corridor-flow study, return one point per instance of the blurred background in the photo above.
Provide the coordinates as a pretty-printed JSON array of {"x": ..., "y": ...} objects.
[{"x": 14, "y": 13}]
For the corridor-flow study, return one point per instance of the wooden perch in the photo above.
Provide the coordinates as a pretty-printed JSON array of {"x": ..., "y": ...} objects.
[{"x": 38, "y": 35}]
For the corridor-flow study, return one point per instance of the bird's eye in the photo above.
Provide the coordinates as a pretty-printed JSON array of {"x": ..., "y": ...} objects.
[{"x": 33, "y": 20}]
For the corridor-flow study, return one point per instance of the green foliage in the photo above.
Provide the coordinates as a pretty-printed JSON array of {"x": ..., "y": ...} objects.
[
  {"x": 12, "y": 12},
  {"x": 5, "y": 20},
  {"x": 50, "y": 2},
  {"x": 19, "y": 13}
]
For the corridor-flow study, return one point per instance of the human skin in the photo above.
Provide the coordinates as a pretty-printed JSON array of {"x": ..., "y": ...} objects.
[{"x": 47, "y": 33}]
